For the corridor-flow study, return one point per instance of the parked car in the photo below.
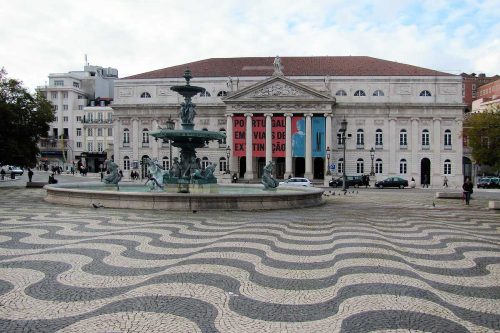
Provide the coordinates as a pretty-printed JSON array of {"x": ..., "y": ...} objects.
[
  {"x": 10, "y": 169},
  {"x": 489, "y": 182},
  {"x": 392, "y": 182},
  {"x": 355, "y": 181},
  {"x": 296, "y": 181}
]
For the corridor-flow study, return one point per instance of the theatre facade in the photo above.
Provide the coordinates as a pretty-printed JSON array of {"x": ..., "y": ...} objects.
[{"x": 289, "y": 110}]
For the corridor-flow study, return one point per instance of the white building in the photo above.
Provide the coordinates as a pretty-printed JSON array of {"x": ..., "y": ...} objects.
[
  {"x": 70, "y": 93},
  {"x": 290, "y": 112}
]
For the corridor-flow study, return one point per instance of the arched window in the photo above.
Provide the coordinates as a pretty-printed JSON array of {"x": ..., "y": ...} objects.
[
  {"x": 145, "y": 136},
  {"x": 403, "y": 166},
  {"x": 222, "y": 164},
  {"x": 126, "y": 136},
  {"x": 378, "y": 138},
  {"x": 205, "y": 94},
  {"x": 341, "y": 165},
  {"x": 447, "y": 139},
  {"x": 360, "y": 166},
  {"x": 359, "y": 93},
  {"x": 204, "y": 162},
  {"x": 425, "y": 139},
  {"x": 145, "y": 95},
  {"x": 378, "y": 165},
  {"x": 360, "y": 138},
  {"x": 126, "y": 163},
  {"x": 425, "y": 93},
  {"x": 222, "y": 93},
  {"x": 378, "y": 92},
  {"x": 403, "y": 139},
  {"x": 222, "y": 141},
  {"x": 341, "y": 92},
  {"x": 447, "y": 167},
  {"x": 165, "y": 163}
]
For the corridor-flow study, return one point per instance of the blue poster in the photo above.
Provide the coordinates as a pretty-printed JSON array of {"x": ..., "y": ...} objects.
[
  {"x": 318, "y": 137},
  {"x": 298, "y": 136}
]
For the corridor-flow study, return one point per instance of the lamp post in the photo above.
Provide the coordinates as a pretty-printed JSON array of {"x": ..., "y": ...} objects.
[
  {"x": 228, "y": 154},
  {"x": 343, "y": 129},
  {"x": 170, "y": 126},
  {"x": 328, "y": 173},
  {"x": 372, "y": 156}
]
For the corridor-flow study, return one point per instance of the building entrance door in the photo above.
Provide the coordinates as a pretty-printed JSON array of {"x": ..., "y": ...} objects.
[
  {"x": 243, "y": 166},
  {"x": 300, "y": 167},
  {"x": 280, "y": 167},
  {"x": 319, "y": 163},
  {"x": 425, "y": 171},
  {"x": 261, "y": 163}
]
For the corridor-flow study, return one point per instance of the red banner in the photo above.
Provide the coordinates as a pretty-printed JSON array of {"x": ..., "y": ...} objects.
[
  {"x": 258, "y": 136},
  {"x": 239, "y": 141},
  {"x": 279, "y": 136}
]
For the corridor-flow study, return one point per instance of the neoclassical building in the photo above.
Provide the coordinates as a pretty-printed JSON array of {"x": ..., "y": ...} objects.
[{"x": 290, "y": 110}]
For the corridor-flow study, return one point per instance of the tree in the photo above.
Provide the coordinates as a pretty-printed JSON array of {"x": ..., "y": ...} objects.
[
  {"x": 483, "y": 131},
  {"x": 24, "y": 118}
]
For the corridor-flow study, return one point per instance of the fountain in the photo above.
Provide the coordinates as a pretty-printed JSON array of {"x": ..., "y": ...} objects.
[{"x": 185, "y": 186}]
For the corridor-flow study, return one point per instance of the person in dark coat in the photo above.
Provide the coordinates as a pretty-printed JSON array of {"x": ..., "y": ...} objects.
[
  {"x": 30, "y": 174},
  {"x": 468, "y": 189}
]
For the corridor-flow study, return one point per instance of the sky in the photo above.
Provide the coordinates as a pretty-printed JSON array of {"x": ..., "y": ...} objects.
[{"x": 53, "y": 36}]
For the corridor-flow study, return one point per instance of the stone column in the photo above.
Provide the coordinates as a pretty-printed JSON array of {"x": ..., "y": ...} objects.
[
  {"x": 414, "y": 146},
  {"x": 457, "y": 166},
  {"x": 308, "y": 153},
  {"x": 328, "y": 141},
  {"x": 269, "y": 138},
  {"x": 154, "y": 143},
  {"x": 117, "y": 142},
  {"x": 288, "y": 145},
  {"x": 249, "y": 174},
  {"x": 229, "y": 141},
  {"x": 134, "y": 141},
  {"x": 392, "y": 147}
]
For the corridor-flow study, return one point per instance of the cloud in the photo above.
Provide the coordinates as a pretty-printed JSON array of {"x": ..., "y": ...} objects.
[{"x": 39, "y": 38}]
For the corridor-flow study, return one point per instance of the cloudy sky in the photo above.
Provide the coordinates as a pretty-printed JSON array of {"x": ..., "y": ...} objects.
[{"x": 53, "y": 36}]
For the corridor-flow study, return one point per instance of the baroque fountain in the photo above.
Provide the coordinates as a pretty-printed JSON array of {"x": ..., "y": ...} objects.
[{"x": 186, "y": 186}]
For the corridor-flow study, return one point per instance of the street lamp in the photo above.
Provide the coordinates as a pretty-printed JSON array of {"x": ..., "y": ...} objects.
[
  {"x": 328, "y": 173},
  {"x": 170, "y": 124},
  {"x": 228, "y": 154},
  {"x": 372, "y": 156},
  {"x": 343, "y": 129}
]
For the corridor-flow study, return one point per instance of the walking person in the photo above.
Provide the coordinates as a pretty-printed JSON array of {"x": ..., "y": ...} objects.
[
  {"x": 445, "y": 182},
  {"x": 30, "y": 174},
  {"x": 425, "y": 181},
  {"x": 468, "y": 189}
]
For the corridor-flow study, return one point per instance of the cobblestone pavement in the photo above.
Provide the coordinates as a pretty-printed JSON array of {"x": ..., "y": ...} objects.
[{"x": 378, "y": 261}]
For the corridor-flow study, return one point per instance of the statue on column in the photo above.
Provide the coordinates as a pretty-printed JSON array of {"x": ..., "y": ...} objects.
[{"x": 278, "y": 67}]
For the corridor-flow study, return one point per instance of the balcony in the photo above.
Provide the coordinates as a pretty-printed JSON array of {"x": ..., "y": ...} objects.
[{"x": 97, "y": 121}]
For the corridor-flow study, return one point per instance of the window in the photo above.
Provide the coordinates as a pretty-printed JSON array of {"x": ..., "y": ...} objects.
[
  {"x": 447, "y": 139},
  {"x": 90, "y": 117},
  {"x": 425, "y": 93},
  {"x": 56, "y": 107},
  {"x": 65, "y": 119},
  {"x": 145, "y": 136},
  {"x": 76, "y": 84},
  {"x": 425, "y": 139},
  {"x": 341, "y": 165},
  {"x": 80, "y": 107},
  {"x": 90, "y": 146},
  {"x": 110, "y": 117},
  {"x": 222, "y": 93},
  {"x": 447, "y": 167},
  {"x": 59, "y": 82},
  {"x": 403, "y": 139},
  {"x": 222, "y": 164},
  {"x": 54, "y": 95},
  {"x": 205, "y": 94},
  {"x": 81, "y": 97},
  {"x": 65, "y": 94},
  {"x": 79, "y": 118},
  {"x": 223, "y": 141},
  {"x": 55, "y": 119},
  {"x": 403, "y": 166},
  {"x": 65, "y": 107},
  {"x": 378, "y": 93},
  {"x": 359, "y": 93},
  {"x": 378, "y": 138},
  {"x": 110, "y": 131},
  {"x": 474, "y": 90},
  {"x": 360, "y": 166},
  {"x": 340, "y": 93},
  {"x": 89, "y": 131},
  {"x": 99, "y": 147},
  {"x": 78, "y": 145},
  {"x": 78, "y": 132},
  {"x": 145, "y": 95},
  {"x": 99, "y": 132},
  {"x": 360, "y": 138},
  {"x": 204, "y": 162},
  {"x": 126, "y": 136},
  {"x": 126, "y": 163},
  {"x": 339, "y": 138},
  {"x": 99, "y": 116},
  {"x": 378, "y": 165},
  {"x": 165, "y": 163}
]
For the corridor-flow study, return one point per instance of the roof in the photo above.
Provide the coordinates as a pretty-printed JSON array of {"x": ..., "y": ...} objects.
[{"x": 292, "y": 66}]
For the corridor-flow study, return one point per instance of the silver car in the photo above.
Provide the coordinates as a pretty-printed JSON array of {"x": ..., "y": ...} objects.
[{"x": 296, "y": 181}]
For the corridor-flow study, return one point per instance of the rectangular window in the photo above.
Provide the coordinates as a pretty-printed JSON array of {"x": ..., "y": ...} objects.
[
  {"x": 378, "y": 139},
  {"x": 80, "y": 107},
  {"x": 65, "y": 94},
  {"x": 78, "y": 145},
  {"x": 341, "y": 167},
  {"x": 89, "y": 132},
  {"x": 79, "y": 118},
  {"x": 56, "y": 107},
  {"x": 78, "y": 132},
  {"x": 65, "y": 107},
  {"x": 53, "y": 94},
  {"x": 65, "y": 119},
  {"x": 90, "y": 146},
  {"x": 99, "y": 132},
  {"x": 56, "y": 119},
  {"x": 403, "y": 140},
  {"x": 76, "y": 84},
  {"x": 339, "y": 139},
  {"x": 360, "y": 167},
  {"x": 110, "y": 131},
  {"x": 99, "y": 147},
  {"x": 59, "y": 83}
]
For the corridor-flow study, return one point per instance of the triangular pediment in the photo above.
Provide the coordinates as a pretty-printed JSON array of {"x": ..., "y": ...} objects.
[{"x": 278, "y": 88}]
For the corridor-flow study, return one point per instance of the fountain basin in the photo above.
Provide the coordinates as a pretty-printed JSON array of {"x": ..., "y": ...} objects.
[{"x": 226, "y": 197}]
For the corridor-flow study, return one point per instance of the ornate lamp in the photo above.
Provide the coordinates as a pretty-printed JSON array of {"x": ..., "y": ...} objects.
[
  {"x": 343, "y": 129},
  {"x": 372, "y": 156},
  {"x": 228, "y": 154}
]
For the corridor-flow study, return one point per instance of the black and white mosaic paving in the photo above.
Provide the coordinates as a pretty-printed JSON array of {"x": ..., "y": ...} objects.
[{"x": 370, "y": 262}]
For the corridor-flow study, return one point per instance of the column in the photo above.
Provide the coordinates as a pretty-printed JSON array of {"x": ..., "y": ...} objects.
[
  {"x": 288, "y": 145},
  {"x": 229, "y": 141},
  {"x": 392, "y": 147},
  {"x": 457, "y": 167},
  {"x": 249, "y": 174},
  {"x": 269, "y": 138},
  {"x": 414, "y": 146},
  {"x": 135, "y": 139},
  {"x": 436, "y": 162},
  {"x": 328, "y": 140},
  {"x": 154, "y": 143},
  {"x": 117, "y": 142},
  {"x": 308, "y": 155}
]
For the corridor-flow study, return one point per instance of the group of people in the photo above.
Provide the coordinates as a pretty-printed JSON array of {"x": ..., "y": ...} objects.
[{"x": 134, "y": 175}]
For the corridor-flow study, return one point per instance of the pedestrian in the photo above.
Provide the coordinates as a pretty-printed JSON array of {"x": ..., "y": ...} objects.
[
  {"x": 425, "y": 181},
  {"x": 30, "y": 174},
  {"x": 445, "y": 182},
  {"x": 102, "y": 175},
  {"x": 468, "y": 190},
  {"x": 2, "y": 173}
]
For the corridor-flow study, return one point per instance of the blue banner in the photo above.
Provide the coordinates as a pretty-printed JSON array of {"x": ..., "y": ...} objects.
[
  {"x": 318, "y": 137},
  {"x": 298, "y": 136}
]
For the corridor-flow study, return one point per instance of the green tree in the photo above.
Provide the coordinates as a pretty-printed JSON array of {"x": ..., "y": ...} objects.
[
  {"x": 24, "y": 118},
  {"x": 483, "y": 130}
]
